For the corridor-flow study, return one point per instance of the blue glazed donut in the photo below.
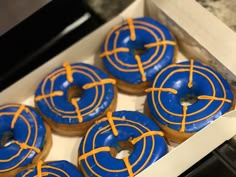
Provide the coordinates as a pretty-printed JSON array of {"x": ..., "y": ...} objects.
[
  {"x": 23, "y": 136},
  {"x": 188, "y": 79},
  {"x": 61, "y": 168},
  {"x": 119, "y": 56},
  {"x": 107, "y": 135},
  {"x": 71, "y": 115}
]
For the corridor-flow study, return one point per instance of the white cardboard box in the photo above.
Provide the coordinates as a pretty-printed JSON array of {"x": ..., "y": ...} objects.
[{"x": 200, "y": 36}]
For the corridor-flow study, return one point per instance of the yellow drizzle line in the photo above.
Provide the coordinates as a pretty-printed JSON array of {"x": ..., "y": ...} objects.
[
  {"x": 162, "y": 90},
  {"x": 102, "y": 82},
  {"x": 107, "y": 53},
  {"x": 185, "y": 108},
  {"x": 25, "y": 146},
  {"x": 132, "y": 29},
  {"x": 206, "y": 97},
  {"x": 18, "y": 112},
  {"x": 94, "y": 151},
  {"x": 55, "y": 93},
  {"x": 140, "y": 66},
  {"x": 190, "y": 82},
  {"x": 77, "y": 110},
  {"x": 128, "y": 166},
  {"x": 69, "y": 73},
  {"x": 155, "y": 44},
  {"x": 57, "y": 169},
  {"x": 45, "y": 174},
  {"x": 151, "y": 133},
  {"x": 39, "y": 168},
  {"x": 27, "y": 173},
  {"x": 111, "y": 122}
]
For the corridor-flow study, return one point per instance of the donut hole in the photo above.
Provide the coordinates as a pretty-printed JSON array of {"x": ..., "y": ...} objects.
[
  {"x": 140, "y": 51},
  {"x": 7, "y": 139},
  {"x": 74, "y": 92},
  {"x": 188, "y": 100},
  {"x": 124, "y": 149}
]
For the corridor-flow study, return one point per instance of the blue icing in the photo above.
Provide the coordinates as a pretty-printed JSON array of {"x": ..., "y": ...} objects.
[
  {"x": 143, "y": 36},
  {"x": 201, "y": 86},
  {"x": 19, "y": 133},
  {"x": 63, "y": 111},
  {"x": 61, "y": 168},
  {"x": 130, "y": 125}
]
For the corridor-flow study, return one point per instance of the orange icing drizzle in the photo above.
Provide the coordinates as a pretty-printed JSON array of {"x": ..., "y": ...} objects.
[
  {"x": 162, "y": 90},
  {"x": 57, "y": 169},
  {"x": 151, "y": 133},
  {"x": 140, "y": 66},
  {"x": 17, "y": 114},
  {"x": 206, "y": 97},
  {"x": 69, "y": 72},
  {"x": 132, "y": 29},
  {"x": 77, "y": 110},
  {"x": 102, "y": 82},
  {"x": 128, "y": 166},
  {"x": 39, "y": 168},
  {"x": 94, "y": 151},
  {"x": 155, "y": 44},
  {"x": 116, "y": 50},
  {"x": 190, "y": 82},
  {"x": 25, "y": 146},
  {"x": 185, "y": 108},
  {"x": 55, "y": 93},
  {"x": 111, "y": 122},
  {"x": 46, "y": 174},
  {"x": 41, "y": 174}
]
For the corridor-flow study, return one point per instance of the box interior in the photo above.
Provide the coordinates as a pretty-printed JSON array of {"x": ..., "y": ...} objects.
[{"x": 180, "y": 156}]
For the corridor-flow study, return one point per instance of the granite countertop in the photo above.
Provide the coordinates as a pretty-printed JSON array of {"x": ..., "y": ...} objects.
[{"x": 223, "y": 9}]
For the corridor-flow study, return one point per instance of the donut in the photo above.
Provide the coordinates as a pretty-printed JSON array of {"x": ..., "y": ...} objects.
[
  {"x": 211, "y": 93},
  {"x": 60, "y": 168},
  {"x": 73, "y": 96},
  {"x": 135, "y": 50},
  {"x": 25, "y": 138},
  {"x": 119, "y": 131}
]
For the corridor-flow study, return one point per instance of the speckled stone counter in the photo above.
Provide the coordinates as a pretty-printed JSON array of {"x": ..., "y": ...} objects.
[{"x": 223, "y": 9}]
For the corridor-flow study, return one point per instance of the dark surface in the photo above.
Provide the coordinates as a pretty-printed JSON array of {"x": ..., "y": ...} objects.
[{"x": 38, "y": 38}]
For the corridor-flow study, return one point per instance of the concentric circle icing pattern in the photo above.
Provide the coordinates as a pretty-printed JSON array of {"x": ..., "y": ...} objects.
[
  {"x": 22, "y": 136},
  {"x": 95, "y": 149},
  {"x": 55, "y": 168},
  {"x": 52, "y": 98},
  {"x": 177, "y": 81},
  {"x": 119, "y": 50}
]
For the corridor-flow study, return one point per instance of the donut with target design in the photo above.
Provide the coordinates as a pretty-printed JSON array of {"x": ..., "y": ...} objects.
[
  {"x": 60, "y": 168},
  {"x": 73, "y": 96},
  {"x": 187, "y": 96},
  {"x": 112, "y": 136},
  {"x": 135, "y": 51}
]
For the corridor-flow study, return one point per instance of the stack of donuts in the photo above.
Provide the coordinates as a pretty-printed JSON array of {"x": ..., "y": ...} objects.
[{"x": 139, "y": 58}]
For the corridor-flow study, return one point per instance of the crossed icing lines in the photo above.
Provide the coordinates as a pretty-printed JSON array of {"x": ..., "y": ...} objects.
[
  {"x": 130, "y": 25},
  {"x": 190, "y": 84}
]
